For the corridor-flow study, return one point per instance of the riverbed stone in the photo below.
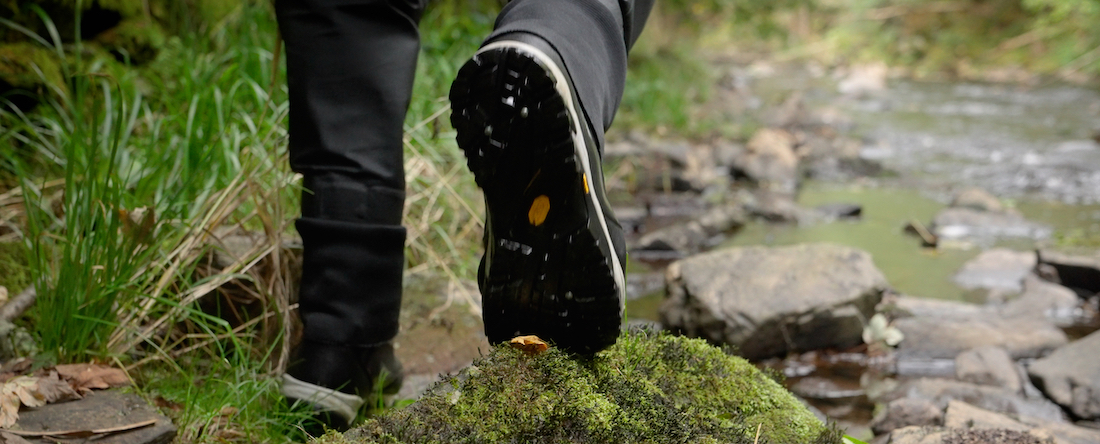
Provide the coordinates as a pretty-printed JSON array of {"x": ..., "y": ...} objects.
[
  {"x": 1064, "y": 432},
  {"x": 697, "y": 234},
  {"x": 960, "y": 415},
  {"x": 1058, "y": 303},
  {"x": 1071, "y": 376},
  {"x": 1080, "y": 272},
  {"x": 965, "y": 416},
  {"x": 99, "y": 410},
  {"x": 906, "y": 412},
  {"x": 977, "y": 199},
  {"x": 937, "y": 329},
  {"x": 988, "y": 365},
  {"x": 942, "y": 435},
  {"x": 998, "y": 269},
  {"x": 770, "y": 301},
  {"x": 942, "y": 391},
  {"x": 769, "y": 161},
  {"x": 984, "y": 226}
]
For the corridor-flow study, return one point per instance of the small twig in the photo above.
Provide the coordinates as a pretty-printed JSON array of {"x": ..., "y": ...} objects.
[
  {"x": 19, "y": 304},
  {"x": 757, "y": 440},
  {"x": 925, "y": 235}
]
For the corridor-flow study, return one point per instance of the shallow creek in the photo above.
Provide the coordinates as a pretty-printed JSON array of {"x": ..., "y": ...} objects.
[{"x": 1028, "y": 145}]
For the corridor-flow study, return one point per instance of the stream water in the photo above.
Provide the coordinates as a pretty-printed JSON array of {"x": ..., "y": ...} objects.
[{"x": 1031, "y": 146}]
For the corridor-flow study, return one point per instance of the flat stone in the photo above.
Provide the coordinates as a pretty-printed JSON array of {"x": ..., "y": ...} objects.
[
  {"x": 988, "y": 365},
  {"x": 942, "y": 391},
  {"x": 814, "y": 387},
  {"x": 977, "y": 199},
  {"x": 697, "y": 234},
  {"x": 946, "y": 337},
  {"x": 1064, "y": 432},
  {"x": 943, "y": 435},
  {"x": 769, "y": 161},
  {"x": 100, "y": 410},
  {"x": 1071, "y": 376},
  {"x": 770, "y": 301},
  {"x": 906, "y": 412},
  {"x": 1059, "y": 304},
  {"x": 961, "y": 415},
  {"x": 997, "y": 269}
]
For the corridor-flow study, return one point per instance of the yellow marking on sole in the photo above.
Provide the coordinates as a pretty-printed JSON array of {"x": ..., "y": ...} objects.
[
  {"x": 585, "y": 178},
  {"x": 539, "y": 209}
]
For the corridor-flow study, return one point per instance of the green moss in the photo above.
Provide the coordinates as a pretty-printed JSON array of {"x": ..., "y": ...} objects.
[
  {"x": 647, "y": 388},
  {"x": 125, "y": 8},
  {"x": 29, "y": 67},
  {"x": 140, "y": 39},
  {"x": 14, "y": 273},
  {"x": 213, "y": 11}
]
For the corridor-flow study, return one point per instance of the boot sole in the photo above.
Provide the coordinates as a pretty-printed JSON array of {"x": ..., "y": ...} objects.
[{"x": 549, "y": 267}]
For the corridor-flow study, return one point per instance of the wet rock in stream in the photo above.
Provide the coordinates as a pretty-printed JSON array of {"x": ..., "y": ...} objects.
[
  {"x": 966, "y": 423},
  {"x": 941, "y": 391},
  {"x": 984, "y": 227},
  {"x": 1071, "y": 376},
  {"x": 998, "y": 270},
  {"x": 697, "y": 234},
  {"x": 1059, "y": 304},
  {"x": 769, "y": 161},
  {"x": 988, "y": 365},
  {"x": 943, "y": 329},
  {"x": 770, "y": 301},
  {"x": 1080, "y": 273}
]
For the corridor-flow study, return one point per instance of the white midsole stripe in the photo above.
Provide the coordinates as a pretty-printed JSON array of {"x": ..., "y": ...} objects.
[
  {"x": 579, "y": 147},
  {"x": 324, "y": 398}
]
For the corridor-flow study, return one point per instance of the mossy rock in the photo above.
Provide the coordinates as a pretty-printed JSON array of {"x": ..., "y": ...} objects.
[
  {"x": 138, "y": 39},
  {"x": 31, "y": 69},
  {"x": 14, "y": 272},
  {"x": 649, "y": 387}
]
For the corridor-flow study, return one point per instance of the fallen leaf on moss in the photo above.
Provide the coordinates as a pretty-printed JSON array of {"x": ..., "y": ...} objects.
[
  {"x": 85, "y": 377},
  {"x": 530, "y": 344}
]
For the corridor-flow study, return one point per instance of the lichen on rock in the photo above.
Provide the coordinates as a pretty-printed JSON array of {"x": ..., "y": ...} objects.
[{"x": 647, "y": 388}]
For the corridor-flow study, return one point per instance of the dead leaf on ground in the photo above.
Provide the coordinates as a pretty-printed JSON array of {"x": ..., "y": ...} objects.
[
  {"x": 530, "y": 344},
  {"x": 11, "y": 438},
  {"x": 85, "y": 377},
  {"x": 31, "y": 391},
  {"x": 9, "y": 409},
  {"x": 55, "y": 390}
]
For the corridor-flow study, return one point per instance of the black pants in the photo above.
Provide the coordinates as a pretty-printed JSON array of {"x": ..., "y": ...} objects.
[{"x": 350, "y": 67}]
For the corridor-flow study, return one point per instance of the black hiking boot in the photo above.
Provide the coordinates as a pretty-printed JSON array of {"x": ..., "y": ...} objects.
[
  {"x": 554, "y": 252},
  {"x": 337, "y": 381}
]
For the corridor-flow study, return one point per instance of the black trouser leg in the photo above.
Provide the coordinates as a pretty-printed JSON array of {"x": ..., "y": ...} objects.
[
  {"x": 592, "y": 37},
  {"x": 350, "y": 67}
]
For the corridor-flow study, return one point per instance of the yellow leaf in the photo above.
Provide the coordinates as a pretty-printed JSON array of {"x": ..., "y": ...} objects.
[{"x": 530, "y": 344}]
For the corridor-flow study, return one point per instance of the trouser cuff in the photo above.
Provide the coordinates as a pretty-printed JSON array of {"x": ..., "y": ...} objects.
[{"x": 351, "y": 281}]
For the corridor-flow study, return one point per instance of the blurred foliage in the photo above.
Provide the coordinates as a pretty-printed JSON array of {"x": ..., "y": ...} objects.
[{"x": 929, "y": 37}]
